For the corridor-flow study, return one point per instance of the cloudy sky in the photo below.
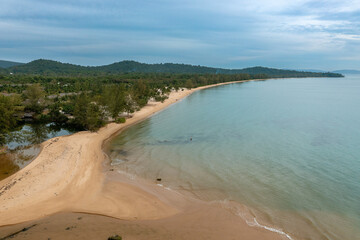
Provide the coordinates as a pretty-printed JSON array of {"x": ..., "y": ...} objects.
[{"x": 299, "y": 34}]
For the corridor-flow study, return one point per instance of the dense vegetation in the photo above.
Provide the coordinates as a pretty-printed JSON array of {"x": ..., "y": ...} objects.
[
  {"x": 53, "y": 68},
  {"x": 8, "y": 108},
  {"x": 86, "y": 98}
]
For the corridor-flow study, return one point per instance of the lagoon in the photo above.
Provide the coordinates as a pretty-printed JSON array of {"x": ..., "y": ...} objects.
[{"x": 23, "y": 145}]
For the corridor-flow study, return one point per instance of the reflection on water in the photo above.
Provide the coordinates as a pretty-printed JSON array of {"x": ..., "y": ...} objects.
[
  {"x": 7, "y": 165},
  {"x": 33, "y": 134},
  {"x": 23, "y": 146}
]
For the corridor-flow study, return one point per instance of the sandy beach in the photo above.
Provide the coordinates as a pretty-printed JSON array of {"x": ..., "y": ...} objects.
[{"x": 71, "y": 184}]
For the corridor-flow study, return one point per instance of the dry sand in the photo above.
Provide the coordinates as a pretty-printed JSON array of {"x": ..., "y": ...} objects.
[{"x": 71, "y": 176}]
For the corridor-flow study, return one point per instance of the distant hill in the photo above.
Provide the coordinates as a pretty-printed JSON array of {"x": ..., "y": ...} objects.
[
  {"x": 7, "y": 64},
  {"x": 273, "y": 72},
  {"x": 49, "y": 67},
  {"x": 347, "y": 71},
  {"x": 308, "y": 70}
]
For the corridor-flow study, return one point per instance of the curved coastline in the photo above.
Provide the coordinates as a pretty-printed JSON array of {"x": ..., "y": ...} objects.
[{"x": 69, "y": 176}]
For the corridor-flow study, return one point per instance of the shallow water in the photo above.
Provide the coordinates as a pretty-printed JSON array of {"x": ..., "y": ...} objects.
[
  {"x": 24, "y": 146},
  {"x": 286, "y": 148}
]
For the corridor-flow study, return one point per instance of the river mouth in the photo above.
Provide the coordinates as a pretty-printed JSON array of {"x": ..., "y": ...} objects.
[{"x": 268, "y": 151}]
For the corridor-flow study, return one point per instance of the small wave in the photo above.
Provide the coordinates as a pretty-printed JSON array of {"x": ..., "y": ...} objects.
[
  {"x": 129, "y": 175},
  {"x": 117, "y": 161},
  {"x": 256, "y": 224},
  {"x": 167, "y": 188},
  {"x": 245, "y": 213}
]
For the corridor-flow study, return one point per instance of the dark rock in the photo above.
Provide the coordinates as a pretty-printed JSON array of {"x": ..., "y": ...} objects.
[{"x": 116, "y": 237}]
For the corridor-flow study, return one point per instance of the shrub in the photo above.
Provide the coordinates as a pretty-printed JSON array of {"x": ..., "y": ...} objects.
[
  {"x": 116, "y": 237},
  {"x": 120, "y": 120},
  {"x": 160, "y": 98}
]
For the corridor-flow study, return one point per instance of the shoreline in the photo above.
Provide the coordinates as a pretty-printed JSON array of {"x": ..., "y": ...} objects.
[{"x": 70, "y": 175}]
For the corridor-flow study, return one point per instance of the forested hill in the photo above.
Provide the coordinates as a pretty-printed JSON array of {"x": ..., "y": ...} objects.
[
  {"x": 49, "y": 68},
  {"x": 7, "y": 64}
]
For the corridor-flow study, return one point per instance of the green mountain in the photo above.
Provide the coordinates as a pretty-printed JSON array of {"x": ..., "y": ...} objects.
[
  {"x": 49, "y": 68},
  {"x": 7, "y": 64}
]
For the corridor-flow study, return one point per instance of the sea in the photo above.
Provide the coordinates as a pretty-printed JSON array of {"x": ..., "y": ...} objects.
[{"x": 286, "y": 149}]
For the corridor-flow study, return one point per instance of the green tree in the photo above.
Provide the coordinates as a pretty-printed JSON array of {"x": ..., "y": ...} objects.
[
  {"x": 34, "y": 94},
  {"x": 56, "y": 115},
  {"x": 80, "y": 110},
  {"x": 94, "y": 118},
  {"x": 7, "y": 118},
  {"x": 189, "y": 84},
  {"x": 114, "y": 98},
  {"x": 87, "y": 114},
  {"x": 141, "y": 93}
]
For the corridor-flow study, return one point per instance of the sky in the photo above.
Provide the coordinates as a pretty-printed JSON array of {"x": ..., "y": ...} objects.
[{"x": 292, "y": 34}]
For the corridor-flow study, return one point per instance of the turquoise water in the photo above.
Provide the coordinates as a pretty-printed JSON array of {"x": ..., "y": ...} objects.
[{"x": 288, "y": 149}]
